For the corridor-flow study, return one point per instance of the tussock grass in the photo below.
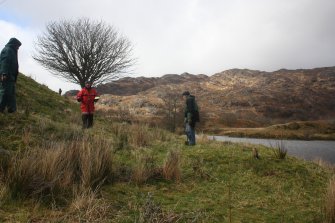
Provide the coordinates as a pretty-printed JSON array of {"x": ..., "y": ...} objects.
[
  {"x": 330, "y": 202},
  {"x": 152, "y": 212},
  {"x": 128, "y": 136},
  {"x": 87, "y": 207},
  {"x": 203, "y": 139},
  {"x": 121, "y": 139},
  {"x": 145, "y": 168},
  {"x": 198, "y": 168},
  {"x": 171, "y": 167},
  {"x": 139, "y": 135},
  {"x": 279, "y": 150},
  {"x": 53, "y": 172},
  {"x": 143, "y": 135}
]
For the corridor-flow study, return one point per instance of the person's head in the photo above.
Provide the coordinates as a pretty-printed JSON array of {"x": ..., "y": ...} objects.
[
  {"x": 88, "y": 84},
  {"x": 15, "y": 43},
  {"x": 186, "y": 94}
]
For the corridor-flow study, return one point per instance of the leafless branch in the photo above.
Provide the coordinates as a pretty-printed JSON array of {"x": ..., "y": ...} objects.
[{"x": 84, "y": 50}]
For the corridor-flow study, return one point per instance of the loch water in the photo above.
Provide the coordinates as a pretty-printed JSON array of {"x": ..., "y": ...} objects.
[{"x": 308, "y": 150}]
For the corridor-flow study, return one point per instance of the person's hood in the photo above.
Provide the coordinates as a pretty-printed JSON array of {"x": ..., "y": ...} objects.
[{"x": 13, "y": 42}]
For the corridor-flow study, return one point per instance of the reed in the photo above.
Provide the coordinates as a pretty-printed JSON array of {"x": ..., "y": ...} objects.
[{"x": 329, "y": 206}]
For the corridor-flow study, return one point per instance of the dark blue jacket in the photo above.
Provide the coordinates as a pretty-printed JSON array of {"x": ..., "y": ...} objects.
[{"x": 9, "y": 65}]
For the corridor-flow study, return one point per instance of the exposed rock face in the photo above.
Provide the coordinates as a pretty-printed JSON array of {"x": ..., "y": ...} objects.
[
  {"x": 71, "y": 93},
  {"x": 284, "y": 94},
  {"x": 236, "y": 97},
  {"x": 132, "y": 86}
]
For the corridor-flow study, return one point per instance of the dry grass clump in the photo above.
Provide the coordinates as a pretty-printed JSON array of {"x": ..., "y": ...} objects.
[
  {"x": 54, "y": 171},
  {"x": 121, "y": 135},
  {"x": 330, "y": 202},
  {"x": 198, "y": 168},
  {"x": 151, "y": 212},
  {"x": 144, "y": 169},
  {"x": 161, "y": 135},
  {"x": 136, "y": 135},
  {"x": 171, "y": 167},
  {"x": 203, "y": 139},
  {"x": 140, "y": 135},
  {"x": 87, "y": 207}
]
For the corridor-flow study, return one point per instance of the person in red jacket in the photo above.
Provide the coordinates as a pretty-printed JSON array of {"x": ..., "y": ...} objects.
[{"x": 87, "y": 96}]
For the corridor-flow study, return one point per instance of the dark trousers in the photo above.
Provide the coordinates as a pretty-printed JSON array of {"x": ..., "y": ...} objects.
[
  {"x": 7, "y": 96},
  {"x": 87, "y": 120},
  {"x": 190, "y": 133}
]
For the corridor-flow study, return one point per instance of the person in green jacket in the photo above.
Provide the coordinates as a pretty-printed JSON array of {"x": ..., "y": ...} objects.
[
  {"x": 191, "y": 116},
  {"x": 9, "y": 70}
]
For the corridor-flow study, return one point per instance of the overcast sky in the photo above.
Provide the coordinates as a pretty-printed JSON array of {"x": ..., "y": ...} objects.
[{"x": 195, "y": 36}]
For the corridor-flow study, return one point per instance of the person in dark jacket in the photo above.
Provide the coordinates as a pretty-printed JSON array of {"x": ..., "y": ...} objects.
[
  {"x": 87, "y": 96},
  {"x": 191, "y": 116},
  {"x": 9, "y": 70}
]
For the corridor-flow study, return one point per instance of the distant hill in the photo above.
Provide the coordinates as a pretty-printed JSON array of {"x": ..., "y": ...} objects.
[
  {"x": 131, "y": 86},
  {"x": 236, "y": 97}
]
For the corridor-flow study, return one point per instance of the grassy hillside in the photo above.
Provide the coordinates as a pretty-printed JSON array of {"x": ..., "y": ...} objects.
[
  {"x": 117, "y": 172},
  {"x": 40, "y": 112}
]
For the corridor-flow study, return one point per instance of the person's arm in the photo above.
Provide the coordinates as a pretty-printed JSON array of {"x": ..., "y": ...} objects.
[
  {"x": 96, "y": 96},
  {"x": 80, "y": 96},
  {"x": 189, "y": 117},
  {"x": 5, "y": 63}
]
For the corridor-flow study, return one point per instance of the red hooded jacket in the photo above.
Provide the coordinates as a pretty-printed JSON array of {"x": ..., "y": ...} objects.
[{"x": 86, "y": 97}]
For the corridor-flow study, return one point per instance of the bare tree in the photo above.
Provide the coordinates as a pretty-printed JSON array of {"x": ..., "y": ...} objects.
[
  {"x": 84, "y": 50},
  {"x": 172, "y": 107}
]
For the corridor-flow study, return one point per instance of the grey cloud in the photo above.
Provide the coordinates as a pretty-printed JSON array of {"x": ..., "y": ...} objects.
[{"x": 207, "y": 36}]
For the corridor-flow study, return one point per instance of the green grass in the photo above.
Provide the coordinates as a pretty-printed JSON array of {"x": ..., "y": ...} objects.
[
  {"x": 36, "y": 98},
  {"x": 220, "y": 181},
  {"x": 265, "y": 190},
  {"x": 41, "y": 114}
]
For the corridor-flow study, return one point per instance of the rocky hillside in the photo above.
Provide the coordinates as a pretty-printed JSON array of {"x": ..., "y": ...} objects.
[
  {"x": 237, "y": 97},
  {"x": 132, "y": 86}
]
